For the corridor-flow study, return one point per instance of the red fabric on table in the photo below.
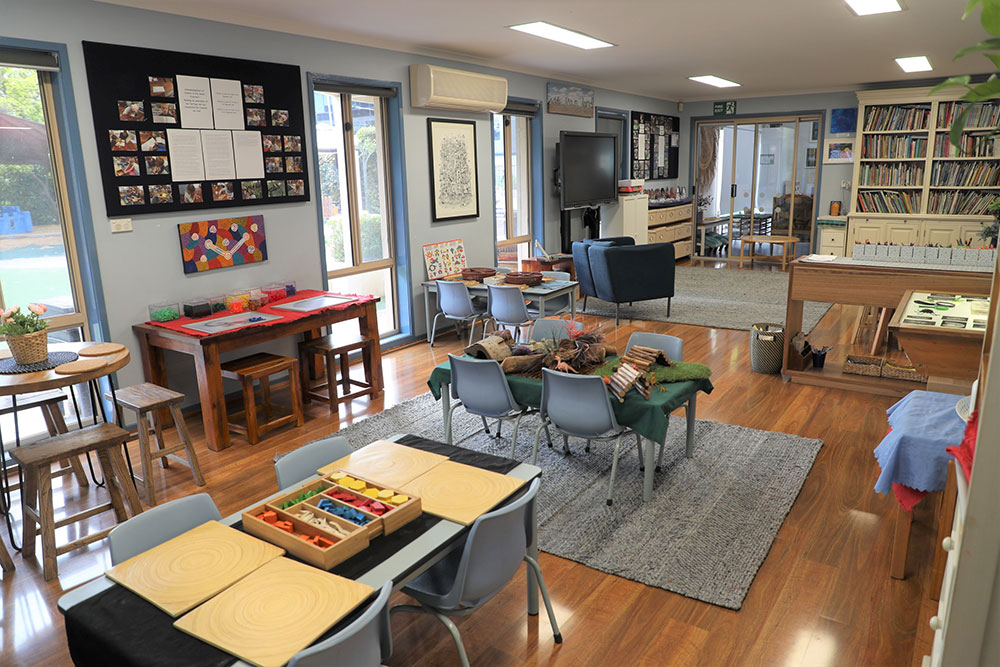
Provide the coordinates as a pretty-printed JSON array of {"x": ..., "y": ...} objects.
[
  {"x": 286, "y": 315},
  {"x": 966, "y": 452}
]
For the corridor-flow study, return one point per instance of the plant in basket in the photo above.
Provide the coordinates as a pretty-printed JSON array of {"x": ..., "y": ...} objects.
[{"x": 25, "y": 333}]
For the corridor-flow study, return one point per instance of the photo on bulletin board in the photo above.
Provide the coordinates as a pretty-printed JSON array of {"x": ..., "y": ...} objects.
[
  {"x": 844, "y": 121},
  {"x": 184, "y": 131},
  {"x": 217, "y": 244},
  {"x": 454, "y": 178}
]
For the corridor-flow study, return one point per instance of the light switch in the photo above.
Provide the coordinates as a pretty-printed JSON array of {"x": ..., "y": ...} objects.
[{"x": 119, "y": 225}]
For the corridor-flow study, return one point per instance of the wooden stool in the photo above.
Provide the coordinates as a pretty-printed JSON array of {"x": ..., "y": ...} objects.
[
  {"x": 6, "y": 562},
  {"x": 260, "y": 367},
  {"x": 48, "y": 402},
  {"x": 337, "y": 353},
  {"x": 36, "y": 497},
  {"x": 146, "y": 400}
]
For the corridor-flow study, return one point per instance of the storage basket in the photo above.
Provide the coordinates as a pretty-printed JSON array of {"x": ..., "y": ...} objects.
[
  {"x": 767, "y": 341},
  {"x": 30, "y": 348},
  {"x": 902, "y": 373},
  {"x": 859, "y": 364}
]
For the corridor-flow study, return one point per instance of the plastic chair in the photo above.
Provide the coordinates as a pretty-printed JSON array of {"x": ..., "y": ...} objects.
[
  {"x": 455, "y": 303},
  {"x": 467, "y": 578},
  {"x": 159, "y": 524},
  {"x": 364, "y": 643},
  {"x": 502, "y": 269},
  {"x": 481, "y": 387},
  {"x": 555, "y": 306},
  {"x": 506, "y": 304},
  {"x": 579, "y": 406},
  {"x": 298, "y": 464},
  {"x": 546, "y": 329}
]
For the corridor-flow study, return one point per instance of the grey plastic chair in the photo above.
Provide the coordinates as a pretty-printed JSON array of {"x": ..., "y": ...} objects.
[
  {"x": 546, "y": 329},
  {"x": 579, "y": 406},
  {"x": 467, "y": 578},
  {"x": 673, "y": 347},
  {"x": 455, "y": 303},
  {"x": 506, "y": 304},
  {"x": 481, "y": 387},
  {"x": 300, "y": 463},
  {"x": 555, "y": 306},
  {"x": 159, "y": 524},
  {"x": 502, "y": 269},
  {"x": 366, "y": 642}
]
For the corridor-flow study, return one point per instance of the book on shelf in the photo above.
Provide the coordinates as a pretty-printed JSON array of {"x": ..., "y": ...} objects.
[
  {"x": 896, "y": 117},
  {"x": 890, "y": 146},
  {"x": 979, "y": 144},
  {"x": 982, "y": 114},
  {"x": 891, "y": 173},
  {"x": 888, "y": 201},
  {"x": 965, "y": 174},
  {"x": 960, "y": 202}
]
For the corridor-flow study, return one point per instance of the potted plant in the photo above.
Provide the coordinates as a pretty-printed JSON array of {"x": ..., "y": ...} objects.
[
  {"x": 989, "y": 231},
  {"x": 25, "y": 333},
  {"x": 704, "y": 201}
]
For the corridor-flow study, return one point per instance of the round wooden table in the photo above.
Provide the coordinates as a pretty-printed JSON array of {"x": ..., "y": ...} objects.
[{"x": 783, "y": 241}]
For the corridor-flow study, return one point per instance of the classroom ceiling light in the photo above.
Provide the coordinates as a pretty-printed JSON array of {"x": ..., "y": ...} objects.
[
  {"x": 914, "y": 64},
  {"x": 713, "y": 80},
  {"x": 866, "y": 7},
  {"x": 562, "y": 35}
]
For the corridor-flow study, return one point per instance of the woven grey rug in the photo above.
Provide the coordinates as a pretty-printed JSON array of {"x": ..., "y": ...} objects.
[
  {"x": 719, "y": 298},
  {"x": 705, "y": 533}
]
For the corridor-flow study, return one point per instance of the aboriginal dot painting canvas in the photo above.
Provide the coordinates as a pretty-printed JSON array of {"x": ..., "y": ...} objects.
[{"x": 216, "y": 244}]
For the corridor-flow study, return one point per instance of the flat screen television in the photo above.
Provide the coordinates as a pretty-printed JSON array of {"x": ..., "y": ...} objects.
[{"x": 588, "y": 169}]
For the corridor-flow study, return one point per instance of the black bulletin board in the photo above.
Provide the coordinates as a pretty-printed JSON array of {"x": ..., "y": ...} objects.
[
  {"x": 121, "y": 74},
  {"x": 654, "y": 135}
]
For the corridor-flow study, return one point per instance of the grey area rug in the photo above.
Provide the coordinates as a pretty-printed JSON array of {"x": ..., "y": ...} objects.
[
  {"x": 719, "y": 298},
  {"x": 704, "y": 535}
]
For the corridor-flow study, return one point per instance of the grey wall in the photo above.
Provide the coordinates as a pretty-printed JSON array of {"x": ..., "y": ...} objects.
[{"x": 144, "y": 266}]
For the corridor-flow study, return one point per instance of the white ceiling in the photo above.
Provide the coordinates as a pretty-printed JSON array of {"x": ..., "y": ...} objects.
[{"x": 769, "y": 46}]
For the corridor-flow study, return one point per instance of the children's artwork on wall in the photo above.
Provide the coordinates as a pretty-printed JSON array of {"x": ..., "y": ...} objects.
[
  {"x": 569, "y": 100},
  {"x": 837, "y": 151},
  {"x": 446, "y": 258},
  {"x": 844, "y": 120},
  {"x": 216, "y": 244}
]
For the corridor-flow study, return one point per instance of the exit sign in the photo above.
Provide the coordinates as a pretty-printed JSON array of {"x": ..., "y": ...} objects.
[{"x": 724, "y": 108}]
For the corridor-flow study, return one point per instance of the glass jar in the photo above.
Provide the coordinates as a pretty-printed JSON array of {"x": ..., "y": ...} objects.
[
  {"x": 164, "y": 312},
  {"x": 218, "y": 303},
  {"x": 197, "y": 308}
]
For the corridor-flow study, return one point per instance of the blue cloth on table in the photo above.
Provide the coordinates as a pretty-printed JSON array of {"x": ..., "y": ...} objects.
[{"x": 923, "y": 424}]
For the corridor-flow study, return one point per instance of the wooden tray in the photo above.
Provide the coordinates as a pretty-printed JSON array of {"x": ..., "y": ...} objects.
[
  {"x": 459, "y": 492},
  {"x": 342, "y": 549},
  {"x": 183, "y": 572},
  {"x": 395, "y": 519},
  {"x": 100, "y": 349},
  {"x": 275, "y": 612},
  {"x": 391, "y": 463},
  {"x": 374, "y": 526}
]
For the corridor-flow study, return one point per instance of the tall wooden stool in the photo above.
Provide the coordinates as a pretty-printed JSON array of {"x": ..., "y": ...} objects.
[
  {"x": 146, "y": 400},
  {"x": 48, "y": 402},
  {"x": 337, "y": 353},
  {"x": 104, "y": 439},
  {"x": 260, "y": 367},
  {"x": 6, "y": 562}
]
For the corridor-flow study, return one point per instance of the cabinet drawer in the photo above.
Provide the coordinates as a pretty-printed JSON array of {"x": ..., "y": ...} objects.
[
  {"x": 658, "y": 217},
  {"x": 683, "y": 249}
]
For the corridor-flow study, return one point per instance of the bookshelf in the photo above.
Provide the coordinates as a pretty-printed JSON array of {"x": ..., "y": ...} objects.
[{"x": 910, "y": 183}]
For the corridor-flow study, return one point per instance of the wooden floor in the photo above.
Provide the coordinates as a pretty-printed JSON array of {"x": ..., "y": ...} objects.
[{"x": 822, "y": 597}]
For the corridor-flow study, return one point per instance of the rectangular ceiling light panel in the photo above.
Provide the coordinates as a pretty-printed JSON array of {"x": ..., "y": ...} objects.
[
  {"x": 914, "y": 64},
  {"x": 867, "y": 7},
  {"x": 562, "y": 35},
  {"x": 713, "y": 80}
]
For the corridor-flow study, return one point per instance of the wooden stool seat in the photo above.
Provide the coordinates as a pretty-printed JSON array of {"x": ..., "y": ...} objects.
[
  {"x": 48, "y": 402},
  {"x": 259, "y": 368},
  {"x": 146, "y": 400},
  {"x": 336, "y": 352},
  {"x": 36, "y": 459}
]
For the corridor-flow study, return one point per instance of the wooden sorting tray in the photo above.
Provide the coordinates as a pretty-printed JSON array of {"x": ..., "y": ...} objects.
[
  {"x": 460, "y": 492},
  {"x": 183, "y": 572},
  {"x": 391, "y": 463},
  {"x": 275, "y": 612},
  {"x": 394, "y": 519}
]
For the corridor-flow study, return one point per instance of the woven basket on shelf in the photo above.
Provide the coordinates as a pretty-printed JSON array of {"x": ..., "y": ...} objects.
[
  {"x": 859, "y": 364},
  {"x": 902, "y": 373},
  {"x": 30, "y": 348}
]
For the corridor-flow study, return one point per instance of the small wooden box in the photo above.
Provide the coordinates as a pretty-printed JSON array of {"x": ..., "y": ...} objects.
[
  {"x": 342, "y": 549},
  {"x": 374, "y": 527},
  {"x": 395, "y": 518}
]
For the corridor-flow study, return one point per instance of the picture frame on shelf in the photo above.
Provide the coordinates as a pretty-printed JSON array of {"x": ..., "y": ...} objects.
[
  {"x": 453, "y": 169},
  {"x": 838, "y": 150}
]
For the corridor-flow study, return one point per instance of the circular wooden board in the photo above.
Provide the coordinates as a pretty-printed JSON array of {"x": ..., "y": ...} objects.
[
  {"x": 100, "y": 349},
  {"x": 387, "y": 463},
  {"x": 80, "y": 366},
  {"x": 460, "y": 492},
  {"x": 5, "y": 354}
]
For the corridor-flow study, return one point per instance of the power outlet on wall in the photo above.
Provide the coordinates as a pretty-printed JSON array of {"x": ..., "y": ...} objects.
[{"x": 119, "y": 225}]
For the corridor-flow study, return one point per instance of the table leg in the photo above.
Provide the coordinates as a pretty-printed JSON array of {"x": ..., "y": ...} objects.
[
  {"x": 900, "y": 543},
  {"x": 369, "y": 328},
  {"x": 445, "y": 406},
  {"x": 647, "y": 480},
  {"x": 427, "y": 311},
  {"x": 213, "y": 397},
  {"x": 311, "y": 368},
  {"x": 793, "y": 320},
  {"x": 572, "y": 304},
  {"x": 532, "y": 552},
  {"x": 689, "y": 416},
  {"x": 742, "y": 247}
]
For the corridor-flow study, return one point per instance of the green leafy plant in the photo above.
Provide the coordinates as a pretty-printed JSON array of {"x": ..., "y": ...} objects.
[{"x": 14, "y": 322}]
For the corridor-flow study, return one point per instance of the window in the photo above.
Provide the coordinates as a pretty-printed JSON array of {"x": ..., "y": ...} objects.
[
  {"x": 512, "y": 188},
  {"x": 354, "y": 186}
]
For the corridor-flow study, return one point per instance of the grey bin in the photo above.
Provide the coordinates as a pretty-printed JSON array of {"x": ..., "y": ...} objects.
[{"x": 766, "y": 343}]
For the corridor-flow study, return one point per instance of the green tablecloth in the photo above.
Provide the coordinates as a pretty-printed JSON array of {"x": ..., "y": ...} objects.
[{"x": 648, "y": 418}]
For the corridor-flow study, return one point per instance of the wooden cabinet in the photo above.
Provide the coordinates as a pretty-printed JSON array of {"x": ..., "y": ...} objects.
[
  {"x": 673, "y": 224},
  {"x": 940, "y": 233},
  {"x": 866, "y": 230},
  {"x": 907, "y": 230}
]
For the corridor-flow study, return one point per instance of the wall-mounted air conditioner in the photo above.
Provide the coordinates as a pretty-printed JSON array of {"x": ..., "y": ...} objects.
[{"x": 434, "y": 87}]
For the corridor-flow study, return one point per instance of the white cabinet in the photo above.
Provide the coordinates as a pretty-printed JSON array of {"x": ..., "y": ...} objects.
[
  {"x": 832, "y": 240},
  {"x": 629, "y": 217},
  {"x": 867, "y": 230},
  {"x": 940, "y": 233},
  {"x": 907, "y": 230},
  {"x": 902, "y": 232},
  {"x": 970, "y": 230}
]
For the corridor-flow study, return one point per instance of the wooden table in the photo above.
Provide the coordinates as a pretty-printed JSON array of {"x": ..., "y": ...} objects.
[
  {"x": 783, "y": 241},
  {"x": 938, "y": 351},
  {"x": 26, "y": 383},
  {"x": 562, "y": 264},
  {"x": 854, "y": 283},
  {"x": 206, "y": 350}
]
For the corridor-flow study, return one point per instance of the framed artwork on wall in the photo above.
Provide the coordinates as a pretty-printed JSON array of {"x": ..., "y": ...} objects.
[
  {"x": 838, "y": 151},
  {"x": 445, "y": 258},
  {"x": 217, "y": 244},
  {"x": 569, "y": 100},
  {"x": 454, "y": 177},
  {"x": 844, "y": 121}
]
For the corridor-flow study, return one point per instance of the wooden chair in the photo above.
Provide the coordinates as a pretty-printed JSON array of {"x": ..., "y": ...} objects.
[
  {"x": 48, "y": 402},
  {"x": 337, "y": 353},
  {"x": 146, "y": 400},
  {"x": 260, "y": 367},
  {"x": 37, "y": 459}
]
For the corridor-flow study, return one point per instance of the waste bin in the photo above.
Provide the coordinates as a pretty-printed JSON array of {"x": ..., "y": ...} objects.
[{"x": 766, "y": 342}]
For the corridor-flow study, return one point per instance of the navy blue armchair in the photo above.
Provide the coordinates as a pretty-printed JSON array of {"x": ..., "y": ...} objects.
[
  {"x": 581, "y": 262},
  {"x": 623, "y": 274}
]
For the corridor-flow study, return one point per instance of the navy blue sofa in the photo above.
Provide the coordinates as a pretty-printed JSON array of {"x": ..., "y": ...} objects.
[
  {"x": 625, "y": 272},
  {"x": 581, "y": 262}
]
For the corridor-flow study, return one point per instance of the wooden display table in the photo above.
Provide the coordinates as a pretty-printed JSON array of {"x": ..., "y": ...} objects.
[
  {"x": 783, "y": 241},
  {"x": 936, "y": 350}
]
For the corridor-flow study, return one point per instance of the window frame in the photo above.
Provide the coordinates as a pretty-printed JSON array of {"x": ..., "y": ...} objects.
[{"x": 527, "y": 237}]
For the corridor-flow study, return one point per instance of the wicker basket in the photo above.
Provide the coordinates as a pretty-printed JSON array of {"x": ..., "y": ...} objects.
[
  {"x": 478, "y": 273},
  {"x": 30, "y": 348},
  {"x": 902, "y": 373},
  {"x": 529, "y": 278},
  {"x": 859, "y": 364}
]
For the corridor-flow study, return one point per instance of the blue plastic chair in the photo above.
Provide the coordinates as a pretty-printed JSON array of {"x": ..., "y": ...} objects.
[
  {"x": 455, "y": 303},
  {"x": 547, "y": 329},
  {"x": 159, "y": 524},
  {"x": 468, "y": 577},
  {"x": 506, "y": 304},
  {"x": 579, "y": 406},
  {"x": 554, "y": 306},
  {"x": 366, "y": 642},
  {"x": 502, "y": 269},
  {"x": 300, "y": 463}
]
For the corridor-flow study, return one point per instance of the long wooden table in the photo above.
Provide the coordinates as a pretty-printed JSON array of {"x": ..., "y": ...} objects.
[
  {"x": 207, "y": 350},
  {"x": 857, "y": 284}
]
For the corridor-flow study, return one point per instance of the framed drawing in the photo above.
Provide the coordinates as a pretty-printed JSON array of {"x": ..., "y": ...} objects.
[
  {"x": 838, "y": 151},
  {"x": 454, "y": 177},
  {"x": 216, "y": 244}
]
